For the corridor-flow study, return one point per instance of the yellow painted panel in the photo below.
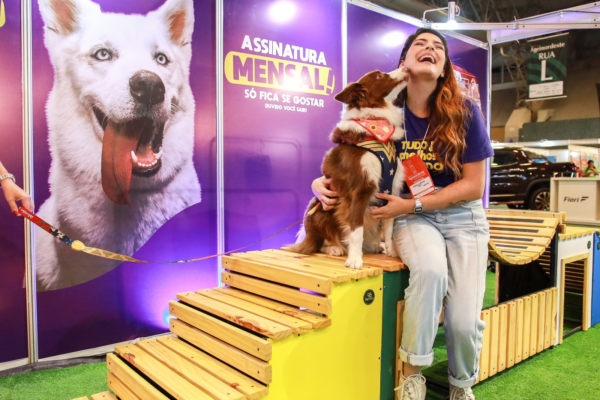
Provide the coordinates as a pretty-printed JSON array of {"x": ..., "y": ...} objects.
[{"x": 340, "y": 361}]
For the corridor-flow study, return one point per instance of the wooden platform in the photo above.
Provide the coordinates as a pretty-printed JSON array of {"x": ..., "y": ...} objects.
[{"x": 256, "y": 337}]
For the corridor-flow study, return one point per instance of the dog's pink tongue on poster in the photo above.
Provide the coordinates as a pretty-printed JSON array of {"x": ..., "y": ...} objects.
[{"x": 116, "y": 161}]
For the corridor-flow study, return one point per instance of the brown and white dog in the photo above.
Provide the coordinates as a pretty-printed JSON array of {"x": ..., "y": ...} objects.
[{"x": 355, "y": 172}]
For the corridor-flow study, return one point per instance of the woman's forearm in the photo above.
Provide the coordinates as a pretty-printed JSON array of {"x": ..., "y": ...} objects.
[{"x": 467, "y": 189}]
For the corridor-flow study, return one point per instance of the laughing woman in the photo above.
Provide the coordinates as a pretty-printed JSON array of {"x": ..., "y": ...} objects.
[{"x": 441, "y": 237}]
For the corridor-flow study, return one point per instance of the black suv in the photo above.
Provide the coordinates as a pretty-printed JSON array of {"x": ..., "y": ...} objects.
[{"x": 521, "y": 178}]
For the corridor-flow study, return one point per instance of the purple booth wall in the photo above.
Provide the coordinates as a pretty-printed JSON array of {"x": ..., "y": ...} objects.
[
  {"x": 13, "y": 313},
  {"x": 131, "y": 300},
  {"x": 274, "y": 144}
]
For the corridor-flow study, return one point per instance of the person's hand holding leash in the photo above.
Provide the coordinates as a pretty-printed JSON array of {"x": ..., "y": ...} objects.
[
  {"x": 395, "y": 206},
  {"x": 323, "y": 191},
  {"x": 13, "y": 193}
]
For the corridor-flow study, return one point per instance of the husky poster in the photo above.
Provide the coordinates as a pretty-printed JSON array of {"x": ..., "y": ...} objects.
[
  {"x": 13, "y": 312},
  {"x": 124, "y": 127},
  {"x": 282, "y": 68}
]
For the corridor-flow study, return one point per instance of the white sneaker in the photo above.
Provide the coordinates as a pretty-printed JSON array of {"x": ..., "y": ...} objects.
[
  {"x": 457, "y": 393},
  {"x": 412, "y": 388}
]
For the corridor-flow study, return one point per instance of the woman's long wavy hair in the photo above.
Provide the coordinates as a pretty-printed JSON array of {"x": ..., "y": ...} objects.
[{"x": 448, "y": 112}]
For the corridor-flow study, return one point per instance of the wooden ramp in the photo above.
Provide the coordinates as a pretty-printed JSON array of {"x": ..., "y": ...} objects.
[
  {"x": 520, "y": 237},
  {"x": 286, "y": 326}
]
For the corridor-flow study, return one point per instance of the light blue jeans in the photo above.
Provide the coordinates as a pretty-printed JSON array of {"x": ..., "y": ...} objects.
[{"x": 446, "y": 252}]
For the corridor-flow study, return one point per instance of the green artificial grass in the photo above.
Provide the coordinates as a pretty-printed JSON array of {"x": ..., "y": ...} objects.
[{"x": 55, "y": 384}]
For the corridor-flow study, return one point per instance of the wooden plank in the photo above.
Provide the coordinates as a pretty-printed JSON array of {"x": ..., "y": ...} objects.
[
  {"x": 317, "y": 321},
  {"x": 548, "y": 320},
  {"x": 160, "y": 374},
  {"x": 529, "y": 240},
  {"x": 276, "y": 292},
  {"x": 298, "y": 265},
  {"x": 250, "y": 388},
  {"x": 237, "y": 316},
  {"x": 503, "y": 337},
  {"x": 554, "y": 317},
  {"x": 377, "y": 261},
  {"x": 494, "y": 340},
  {"x": 251, "y": 344},
  {"x": 522, "y": 230},
  {"x": 119, "y": 388},
  {"x": 526, "y": 327},
  {"x": 561, "y": 217},
  {"x": 541, "y": 320},
  {"x": 204, "y": 381},
  {"x": 484, "y": 359},
  {"x": 82, "y": 398},
  {"x": 512, "y": 333},
  {"x": 296, "y": 325},
  {"x": 103, "y": 396},
  {"x": 313, "y": 261},
  {"x": 284, "y": 276},
  {"x": 246, "y": 363},
  {"x": 519, "y": 332},
  {"x": 521, "y": 247},
  {"x": 138, "y": 385},
  {"x": 534, "y": 324},
  {"x": 517, "y": 220}
]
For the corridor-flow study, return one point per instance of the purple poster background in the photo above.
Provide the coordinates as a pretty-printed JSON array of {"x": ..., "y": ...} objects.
[
  {"x": 376, "y": 40},
  {"x": 13, "y": 314},
  {"x": 131, "y": 300},
  {"x": 273, "y": 154}
]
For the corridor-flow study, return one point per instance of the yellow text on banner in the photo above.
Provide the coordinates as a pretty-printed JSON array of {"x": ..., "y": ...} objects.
[{"x": 268, "y": 72}]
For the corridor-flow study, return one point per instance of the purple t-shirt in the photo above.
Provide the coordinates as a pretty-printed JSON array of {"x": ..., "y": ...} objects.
[{"x": 477, "y": 140}]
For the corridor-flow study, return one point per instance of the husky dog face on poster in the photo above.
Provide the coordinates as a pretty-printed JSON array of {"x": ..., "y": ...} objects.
[{"x": 121, "y": 132}]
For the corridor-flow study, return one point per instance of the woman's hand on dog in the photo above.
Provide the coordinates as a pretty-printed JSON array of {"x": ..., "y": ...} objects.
[
  {"x": 323, "y": 191},
  {"x": 395, "y": 206},
  {"x": 13, "y": 194}
]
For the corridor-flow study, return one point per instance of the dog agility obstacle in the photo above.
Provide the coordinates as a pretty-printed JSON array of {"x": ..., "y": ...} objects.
[{"x": 291, "y": 326}]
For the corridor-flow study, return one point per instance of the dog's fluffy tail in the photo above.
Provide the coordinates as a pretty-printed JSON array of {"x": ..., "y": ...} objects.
[{"x": 308, "y": 240}]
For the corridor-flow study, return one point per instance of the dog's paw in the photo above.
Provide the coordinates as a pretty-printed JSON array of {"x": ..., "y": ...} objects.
[
  {"x": 354, "y": 262},
  {"x": 335, "y": 251},
  {"x": 390, "y": 250}
]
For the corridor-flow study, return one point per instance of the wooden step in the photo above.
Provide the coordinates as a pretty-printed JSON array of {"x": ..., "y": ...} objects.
[
  {"x": 160, "y": 374},
  {"x": 277, "y": 292},
  {"x": 250, "y": 388},
  {"x": 304, "y": 280},
  {"x": 253, "y": 322},
  {"x": 119, "y": 388},
  {"x": 298, "y": 326},
  {"x": 250, "y": 365},
  {"x": 317, "y": 321},
  {"x": 132, "y": 380},
  {"x": 193, "y": 374},
  {"x": 103, "y": 396},
  {"x": 251, "y": 344}
]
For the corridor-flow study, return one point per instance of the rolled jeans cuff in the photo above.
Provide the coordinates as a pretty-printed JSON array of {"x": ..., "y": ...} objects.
[
  {"x": 464, "y": 383},
  {"x": 415, "y": 360}
]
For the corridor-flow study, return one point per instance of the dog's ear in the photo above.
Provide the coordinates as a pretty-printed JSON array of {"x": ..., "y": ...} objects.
[
  {"x": 64, "y": 16},
  {"x": 178, "y": 15},
  {"x": 352, "y": 94}
]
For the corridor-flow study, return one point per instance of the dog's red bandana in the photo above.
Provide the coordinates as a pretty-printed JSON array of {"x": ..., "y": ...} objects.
[{"x": 380, "y": 128}]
